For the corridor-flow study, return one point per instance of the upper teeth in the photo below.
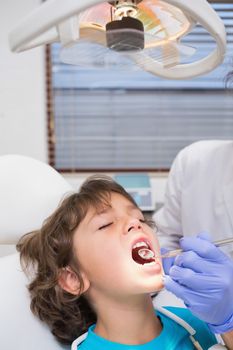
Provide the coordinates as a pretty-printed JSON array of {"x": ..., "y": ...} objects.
[{"x": 140, "y": 244}]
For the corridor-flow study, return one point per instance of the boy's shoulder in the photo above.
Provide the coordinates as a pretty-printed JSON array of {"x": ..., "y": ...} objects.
[
  {"x": 187, "y": 316},
  {"x": 203, "y": 334}
]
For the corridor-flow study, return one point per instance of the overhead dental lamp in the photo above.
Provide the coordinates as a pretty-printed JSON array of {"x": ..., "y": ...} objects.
[{"x": 143, "y": 33}]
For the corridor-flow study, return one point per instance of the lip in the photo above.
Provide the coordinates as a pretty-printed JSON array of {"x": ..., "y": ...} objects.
[
  {"x": 155, "y": 268},
  {"x": 151, "y": 269}
]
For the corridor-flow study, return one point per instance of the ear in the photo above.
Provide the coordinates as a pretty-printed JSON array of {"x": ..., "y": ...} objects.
[{"x": 69, "y": 281}]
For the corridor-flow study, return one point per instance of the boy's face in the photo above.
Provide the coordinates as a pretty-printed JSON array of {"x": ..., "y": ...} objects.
[{"x": 107, "y": 245}]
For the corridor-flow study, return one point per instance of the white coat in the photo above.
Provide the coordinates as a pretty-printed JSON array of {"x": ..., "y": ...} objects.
[{"x": 199, "y": 194}]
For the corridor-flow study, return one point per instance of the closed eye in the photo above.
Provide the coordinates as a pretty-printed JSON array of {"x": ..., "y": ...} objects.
[
  {"x": 148, "y": 222},
  {"x": 105, "y": 226}
]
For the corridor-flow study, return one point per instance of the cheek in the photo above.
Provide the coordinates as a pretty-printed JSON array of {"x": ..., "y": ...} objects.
[
  {"x": 157, "y": 247},
  {"x": 100, "y": 260},
  {"x": 156, "y": 242}
]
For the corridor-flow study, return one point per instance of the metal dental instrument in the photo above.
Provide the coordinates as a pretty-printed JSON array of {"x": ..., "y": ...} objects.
[{"x": 173, "y": 253}]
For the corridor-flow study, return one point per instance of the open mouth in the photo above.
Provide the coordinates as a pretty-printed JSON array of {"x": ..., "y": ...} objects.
[{"x": 142, "y": 253}]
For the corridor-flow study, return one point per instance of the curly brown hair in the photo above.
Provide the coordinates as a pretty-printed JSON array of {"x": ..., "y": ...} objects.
[{"x": 49, "y": 250}]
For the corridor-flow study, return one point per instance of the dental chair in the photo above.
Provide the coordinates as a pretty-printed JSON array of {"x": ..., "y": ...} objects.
[{"x": 29, "y": 192}]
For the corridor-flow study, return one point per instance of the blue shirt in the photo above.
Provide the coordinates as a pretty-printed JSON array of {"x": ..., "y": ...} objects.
[{"x": 173, "y": 336}]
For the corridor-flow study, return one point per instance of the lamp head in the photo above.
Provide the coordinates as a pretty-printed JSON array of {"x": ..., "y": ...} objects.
[{"x": 133, "y": 33}]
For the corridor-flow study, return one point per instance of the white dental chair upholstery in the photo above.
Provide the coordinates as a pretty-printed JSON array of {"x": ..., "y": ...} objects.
[{"x": 29, "y": 192}]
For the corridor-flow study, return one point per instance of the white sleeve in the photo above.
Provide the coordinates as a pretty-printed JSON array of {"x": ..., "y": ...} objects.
[{"x": 168, "y": 218}]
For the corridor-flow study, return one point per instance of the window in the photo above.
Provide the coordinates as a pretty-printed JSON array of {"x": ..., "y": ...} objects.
[{"x": 133, "y": 121}]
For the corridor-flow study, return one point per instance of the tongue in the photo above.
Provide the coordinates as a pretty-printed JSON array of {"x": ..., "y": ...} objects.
[
  {"x": 142, "y": 255},
  {"x": 146, "y": 254}
]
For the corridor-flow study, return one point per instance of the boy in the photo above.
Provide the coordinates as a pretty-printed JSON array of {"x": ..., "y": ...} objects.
[{"x": 97, "y": 261}]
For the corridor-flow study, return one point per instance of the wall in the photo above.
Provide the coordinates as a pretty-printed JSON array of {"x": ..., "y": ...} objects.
[
  {"x": 22, "y": 92},
  {"x": 22, "y": 89},
  {"x": 22, "y": 95}
]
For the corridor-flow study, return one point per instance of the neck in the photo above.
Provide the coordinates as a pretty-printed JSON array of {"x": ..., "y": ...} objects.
[{"x": 123, "y": 322}]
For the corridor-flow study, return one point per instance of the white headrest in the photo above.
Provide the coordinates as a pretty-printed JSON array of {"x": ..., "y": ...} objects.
[
  {"x": 30, "y": 190},
  {"x": 19, "y": 328}
]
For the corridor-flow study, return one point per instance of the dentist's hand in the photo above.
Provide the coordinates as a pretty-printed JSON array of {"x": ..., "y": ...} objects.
[{"x": 203, "y": 277}]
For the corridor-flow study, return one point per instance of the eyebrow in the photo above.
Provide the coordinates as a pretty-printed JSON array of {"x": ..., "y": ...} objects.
[
  {"x": 129, "y": 208},
  {"x": 97, "y": 213}
]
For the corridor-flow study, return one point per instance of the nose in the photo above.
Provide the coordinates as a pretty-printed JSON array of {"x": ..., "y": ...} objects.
[{"x": 134, "y": 224}]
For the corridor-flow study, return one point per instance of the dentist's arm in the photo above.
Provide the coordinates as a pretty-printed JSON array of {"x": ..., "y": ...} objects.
[
  {"x": 203, "y": 277},
  {"x": 168, "y": 219}
]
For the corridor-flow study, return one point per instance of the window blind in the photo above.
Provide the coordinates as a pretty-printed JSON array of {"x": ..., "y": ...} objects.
[{"x": 111, "y": 120}]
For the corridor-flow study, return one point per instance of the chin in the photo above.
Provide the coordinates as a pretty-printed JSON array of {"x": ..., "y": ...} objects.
[
  {"x": 155, "y": 289},
  {"x": 152, "y": 286}
]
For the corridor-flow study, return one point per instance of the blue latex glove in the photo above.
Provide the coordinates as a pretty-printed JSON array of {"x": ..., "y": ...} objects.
[
  {"x": 167, "y": 262},
  {"x": 203, "y": 277}
]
